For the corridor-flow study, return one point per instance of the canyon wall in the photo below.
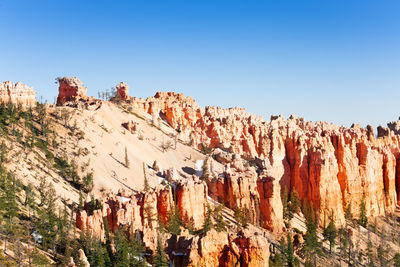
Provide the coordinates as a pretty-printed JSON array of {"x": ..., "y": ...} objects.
[
  {"x": 17, "y": 93},
  {"x": 333, "y": 167},
  {"x": 140, "y": 211}
]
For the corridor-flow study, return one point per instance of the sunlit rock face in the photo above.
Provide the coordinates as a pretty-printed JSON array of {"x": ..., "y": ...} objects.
[
  {"x": 123, "y": 91},
  {"x": 17, "y": 93},
  {"x": 332, "y": 167},
  {"x": 70, "y": 89}
]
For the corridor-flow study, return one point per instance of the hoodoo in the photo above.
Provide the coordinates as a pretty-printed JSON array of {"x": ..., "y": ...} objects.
[
  {"x": 70, "y": 89},
  {"x": 17, "y": 93},
  {"x": 123, "y": 91}
]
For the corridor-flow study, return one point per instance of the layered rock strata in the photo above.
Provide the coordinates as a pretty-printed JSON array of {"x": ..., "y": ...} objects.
[
  {"x": 139, "y": 212},
  {"x": 17, "y": 93},
  {"x": 334, "y": 168},
  {"x": 70, "y": 89}
]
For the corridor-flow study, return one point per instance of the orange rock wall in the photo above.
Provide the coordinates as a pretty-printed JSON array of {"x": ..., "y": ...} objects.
[{"x": 333, "y": 167}]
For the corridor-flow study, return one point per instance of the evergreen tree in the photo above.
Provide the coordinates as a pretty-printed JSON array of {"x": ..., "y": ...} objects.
[
  {"x": 88, "y": 182},
  {"x": 396, "y": 260},
  {"x": 330, "y": 234},
  {"x": 174, "y": 221},
  {"x": 287, "y": 215},
  {"x": 294, "y": 201},
  {"x": 207, "y": 226},
  {"x": 241, "y": 216},
  {"x": 160, "y": 259},
  {"x": 48, "y": 219},
  {"x": 146, "y": 186},
  {"x": 121, "y": 249},
  {"x": 204, "y": 175},
  {"x": 220, "y": 224},
  {"x": 289, "y": 252},
  {"x": 363, "y": 220},
  {"x": 8, "y": 203},
  {"x": 348, "y": 215},
  {"x": 149, "y": 215},
  {"x": 343, "y": 242},
  {"x": 312, "y": 247},
  {"x": 126, "y": 158}
]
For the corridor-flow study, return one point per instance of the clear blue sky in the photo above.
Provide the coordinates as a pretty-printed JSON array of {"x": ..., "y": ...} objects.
[{"x": 337, "y": 61}]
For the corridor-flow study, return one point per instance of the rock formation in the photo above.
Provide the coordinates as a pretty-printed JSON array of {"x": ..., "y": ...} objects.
[
  {"x": 131, "y": 126},
  {"x": 17, "y": 93},
  {"x": 123, "y": 91},
  {"x": 139, "y": 211},
  {"x": 332, "y": 167},
  {"x": 70, "y": 89},
  {"x": 223, "y": 249}
]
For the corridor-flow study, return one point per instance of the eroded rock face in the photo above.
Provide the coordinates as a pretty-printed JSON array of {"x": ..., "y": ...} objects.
[
  {"x": 243, "y": 187},
  {"x": 17, "y": 93},
  {"x": 332, "y": 167},
  {"x": 70, "y": 89},
  {"x": 123, "y": 91},
  {"x": 140, "y": 211},
  {"x": 192, "y": 202},
  {"x": 223, "y": 249}
]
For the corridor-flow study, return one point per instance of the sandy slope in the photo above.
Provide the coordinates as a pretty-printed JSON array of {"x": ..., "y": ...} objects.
[{"x": 106, "y": 140}]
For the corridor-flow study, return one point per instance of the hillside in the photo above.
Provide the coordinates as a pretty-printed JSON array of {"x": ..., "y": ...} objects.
[{"x": 115, "y": 181}]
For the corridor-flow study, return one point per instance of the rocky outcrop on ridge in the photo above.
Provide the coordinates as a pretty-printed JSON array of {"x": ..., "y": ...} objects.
[
  {"x": 123, "y": 91},
  {"x": 70, "y": 89},
  {"x": 17, "y": 93},
  {"x": 333, "y": 167}
]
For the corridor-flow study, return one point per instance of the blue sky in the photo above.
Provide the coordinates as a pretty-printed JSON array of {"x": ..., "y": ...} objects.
[{"x": 337, "y": 61}]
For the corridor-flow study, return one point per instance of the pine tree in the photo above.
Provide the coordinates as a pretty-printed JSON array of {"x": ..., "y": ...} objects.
[
  {"x": 146, "y": 186},
  {"x": 121, "y": 249},
  {"x": 220, "y": 224},
  {"x": 312, "y": 246},
  {"x": 160, "y": 259},
  {"x": 287, "y": 213},
  {"x": 241, "y": 216},
  {"x": 149, "y": 215},
  {"x": 126, "y": 158},
  {"x": 396, "y": 260},
  {"x": 8, "y": 203},
  {"x": 363, "y": 220},
  {"x": 174, "y": 221},
  {"x": 348, "y": 215},
  {"x": 48, "y": 219},
  {"x": 294, "y": 201},
  {"x": 330, "y": 234},
  {"x": 207, "y": 226},
  {"x": 204, "y": 175},
  {"x": 343, "y": 242}
]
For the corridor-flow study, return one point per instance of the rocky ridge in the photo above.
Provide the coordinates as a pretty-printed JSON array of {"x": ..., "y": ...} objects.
[
  {"x": 70, "y": 89},
  {"x": 333, "y": 167},
  {"x": 17, "y": 93}
]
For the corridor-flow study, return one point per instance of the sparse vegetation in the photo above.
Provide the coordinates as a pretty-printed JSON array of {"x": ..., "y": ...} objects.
[
  {"x": 363, "y": 220},
  {"x": 242, "y": 216},
  {"x": 127, "y": 163}
]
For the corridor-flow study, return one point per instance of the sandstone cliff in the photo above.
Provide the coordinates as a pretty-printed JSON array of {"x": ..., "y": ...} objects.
[
  {"x": 17, "y": 93},
  {"x": 332, "y": 167},
  {"x": 139, "y": 211}
]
